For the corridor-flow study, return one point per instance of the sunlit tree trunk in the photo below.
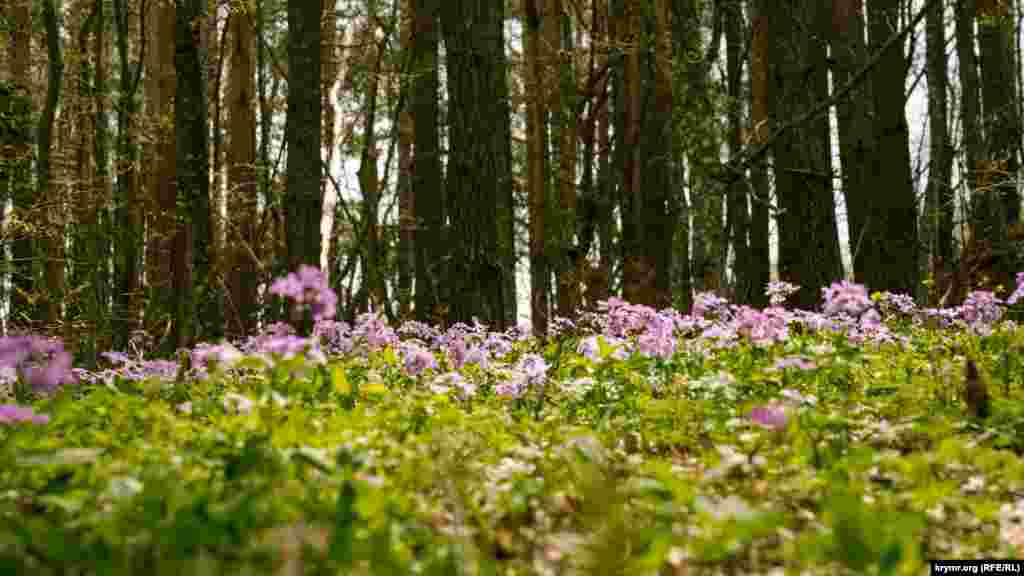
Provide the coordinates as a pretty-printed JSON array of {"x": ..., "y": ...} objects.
[
  {"x": 47, "y": 190},
  {"x": 242, "y": 236}
]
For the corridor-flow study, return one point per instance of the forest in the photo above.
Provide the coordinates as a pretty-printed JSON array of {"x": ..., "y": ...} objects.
[{"x": 510, "y": 286}]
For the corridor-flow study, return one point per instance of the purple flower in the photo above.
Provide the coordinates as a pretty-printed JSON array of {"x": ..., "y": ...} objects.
[
  {"x": 761, "y": 328},
  {"x": 771, "y": 416},
  {"x": 513, "y": 387},
  {"x": 115, "y": 357},
  {"x": 308, "y": 286},
  {"x": 707, "y": 304},
  {"x": 41, "y": 362},
  {"x": 534, "y": 367},
  {"x": 14, "y": 414},
  {"x": 797, "y": 362},
  {"x": 374, "y": 330},
  {"x": 418, "y": 359},
  {"x": 981, "y": 309},
  {"x": 897, "y": 303},
  {"x": 588, "y": 347},
  {"x": 778, "y": 291},
  {"x": 846, "y": 299},
  {"x": 453, "y": 381},
  {"x": 1019, "y": 292},
  {"x": 659, "y": 340}
]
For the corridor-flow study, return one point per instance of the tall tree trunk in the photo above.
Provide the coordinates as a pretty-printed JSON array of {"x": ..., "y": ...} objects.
[
  {"x": 808, "y": 240},
  {"x": 54, "y": 230},
  {"x": 556, "y": 29},
  {"x": 243, "y": 189},
  {"x": 406, "y": 199},
  {"x": 760, "y": 127},
  {"x": 998, "y": 169},
  {"x": 303, "y": 197},
  {"x": 657, "y": 182},
  {"x": 196, "y": 314},
  {"x": 636, "y": 282},
  {"x": 703, "y": 150},
  {"x": 160, "y": 89},
  {"x": 21, "y": 193},
  {"x": 536, "y": 165},
  {"x": 302, "y": 135},
  {"x": 480, "y": 176},
  {"x": 128, "y": 212},
  {"x": 369, "y": 182},
  {"x": 431, "y": 263},
  {"x": 744, "y": 285},
  {"x": 856, "y": 136},
  {"x": 939, "y": 194},
  {"x": 890, "y": 238}
]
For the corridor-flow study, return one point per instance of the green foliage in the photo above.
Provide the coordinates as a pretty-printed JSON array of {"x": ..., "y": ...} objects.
[{"x": 620, "y": 463}]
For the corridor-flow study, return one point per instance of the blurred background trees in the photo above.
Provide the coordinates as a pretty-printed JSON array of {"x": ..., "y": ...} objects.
[{"x": 162, "y": 161}]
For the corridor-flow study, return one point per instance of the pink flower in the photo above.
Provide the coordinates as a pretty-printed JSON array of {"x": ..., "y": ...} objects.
[
  {"x": 14, "y": 414},
  {"x": 770, "y": 416}
]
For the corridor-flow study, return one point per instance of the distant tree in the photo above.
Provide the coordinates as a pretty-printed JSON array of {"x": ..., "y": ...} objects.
[
  {"x": 406, "y": 199},
  {"x": 760, "y": 128},
  {"x": 745, "y": 279},
  {"x": 998, "y": 167},
  {"x": 48, "y": 191},
  {"x": 243, "y": 190},
  {"x": 429, "y": 206},
  {"x": 128, "y": 213},
  {"x": 891, "y": 221},
  {"x": 303, "y": 197},
  {"x": 939, "y": 199},
  {"x": 536, "y": 164},
  {"x": 21, "y": 191},
  {"x": 159, "y": 92},
  {"x": 479, "y": 163},
  {"x": 856, "y": 134},
  {"x": 808, "y": 239},
  {"x": 196, "y": 314}
]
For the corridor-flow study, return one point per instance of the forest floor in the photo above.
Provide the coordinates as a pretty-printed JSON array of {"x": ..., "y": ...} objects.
[{"x": 732, "y": 441}]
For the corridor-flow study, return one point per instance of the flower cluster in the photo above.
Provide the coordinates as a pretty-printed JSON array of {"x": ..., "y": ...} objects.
[
  {"x": 762, "y": 328},
  {"x": 846, "y": 299},
  {"x": 778, "y": 292},
  {"x": 42, "y": 363},
  {"x": 308, "y": 286},
  {"x": 980, "y": 310},
  {"x": 1019, "y": 292},
  {"x": 14, "y": 414}
]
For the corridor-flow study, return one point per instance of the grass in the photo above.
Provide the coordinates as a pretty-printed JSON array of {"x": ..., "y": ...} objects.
[{"x": 612, "y": 463}]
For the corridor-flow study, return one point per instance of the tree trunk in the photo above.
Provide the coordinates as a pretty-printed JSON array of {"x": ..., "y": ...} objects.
[
  {"x": 536, "y": 165},
  {"x": 303, "y": 197},
  {"x": 21, "y": 193},
  {"x": 480, "y": 177},
  {"x": 54, "y": 230},
  {"x": 808, "y": 240},
  {"x": 856, "y": 137},
  {"x": 406, "y": 200},
  {"x": 196, "y": 314},
  {"x": 128, "y": 212},
  {"x": 160, "y": 89},
  {"x": 744, "y": 286},
  {"x": 998, "y": 169},
  {"x": 760, "y": 126},
  {"x": 939, "y": 194},
  {"x": 243, "y": 189}
]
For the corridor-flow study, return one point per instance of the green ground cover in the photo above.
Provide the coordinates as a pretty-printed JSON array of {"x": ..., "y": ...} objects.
[{"x": 827, "y": 447}]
